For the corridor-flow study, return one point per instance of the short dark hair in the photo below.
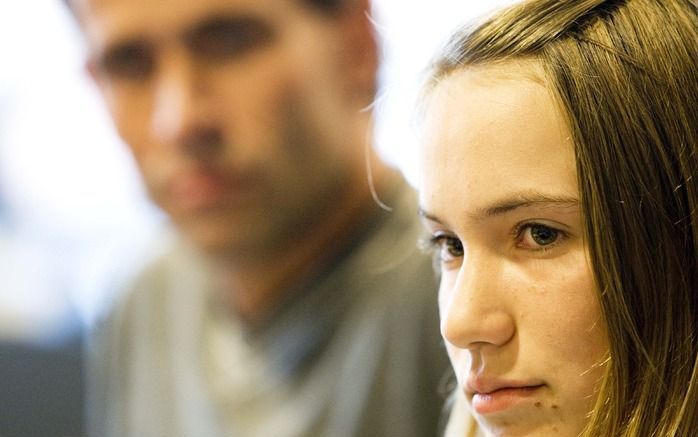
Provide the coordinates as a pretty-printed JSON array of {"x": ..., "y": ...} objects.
[{"x": 327, "y": 6}]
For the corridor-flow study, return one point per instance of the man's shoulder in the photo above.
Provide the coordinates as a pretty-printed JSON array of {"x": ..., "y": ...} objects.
[
  {"x": 393, "y": 255},
  {"x": 392, "y": 280}
]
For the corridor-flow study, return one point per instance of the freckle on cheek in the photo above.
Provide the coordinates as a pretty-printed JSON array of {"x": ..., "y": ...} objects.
[
  {"x": 537, "y": 404},
  {"x": 555, "y": 407}
]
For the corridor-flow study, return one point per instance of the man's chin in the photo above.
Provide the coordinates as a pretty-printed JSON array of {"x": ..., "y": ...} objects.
[
  {"x": 214, "y": 243},
  {"x": 235, "y": 235},
  {"x": 223, "y": 240}
]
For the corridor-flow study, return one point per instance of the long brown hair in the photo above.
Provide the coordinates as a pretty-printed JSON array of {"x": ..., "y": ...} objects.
[{"x": 625, "y": 74}]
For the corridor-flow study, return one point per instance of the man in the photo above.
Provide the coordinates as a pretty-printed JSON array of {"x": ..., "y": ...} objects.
[{"x": 292, "y": 304}]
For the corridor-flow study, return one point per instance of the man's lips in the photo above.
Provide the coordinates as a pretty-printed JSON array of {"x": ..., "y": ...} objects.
[{"x": 203, "y": 189}]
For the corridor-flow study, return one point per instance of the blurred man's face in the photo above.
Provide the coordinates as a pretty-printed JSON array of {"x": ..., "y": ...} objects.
[{"x": 241, "y": 114}]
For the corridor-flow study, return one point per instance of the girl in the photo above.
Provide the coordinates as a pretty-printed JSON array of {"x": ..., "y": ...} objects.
[{"x": 558, "y": 185}]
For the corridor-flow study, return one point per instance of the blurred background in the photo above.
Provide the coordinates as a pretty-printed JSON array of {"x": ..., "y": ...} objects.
[{"x": 74, "y": 220}]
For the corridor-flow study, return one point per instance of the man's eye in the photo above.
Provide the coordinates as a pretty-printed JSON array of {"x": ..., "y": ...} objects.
[
  {"x": 536, "y": 236},
  {"x": 221, "y": 38},
  {"x": 129, "y": 61}
]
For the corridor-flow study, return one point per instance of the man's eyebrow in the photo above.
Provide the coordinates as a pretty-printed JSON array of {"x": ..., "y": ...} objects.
[
  {"x": 512, "y": 203},
  {"x": 223, "y": 22},
  {"x": 125, "y": 44}
]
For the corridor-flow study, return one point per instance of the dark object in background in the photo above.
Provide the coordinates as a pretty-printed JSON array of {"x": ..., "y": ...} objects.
[{"x": 41, "y": 389}]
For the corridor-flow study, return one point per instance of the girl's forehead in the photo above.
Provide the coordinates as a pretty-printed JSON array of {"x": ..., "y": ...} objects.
[{"x": 487, "y": 137}]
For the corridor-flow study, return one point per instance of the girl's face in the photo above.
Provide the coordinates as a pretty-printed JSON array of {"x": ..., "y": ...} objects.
[{"x": 499, "y": 196}]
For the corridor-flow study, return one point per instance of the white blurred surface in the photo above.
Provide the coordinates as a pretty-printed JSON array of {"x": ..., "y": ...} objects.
[
  {"x": 73, "y": 214},
  {"x": 412, "y": 32}
]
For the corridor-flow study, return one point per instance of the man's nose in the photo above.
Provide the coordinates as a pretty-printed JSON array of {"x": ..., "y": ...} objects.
[
  {"x": 181, "y": 113},
  {"x": 475, "y": 311}
]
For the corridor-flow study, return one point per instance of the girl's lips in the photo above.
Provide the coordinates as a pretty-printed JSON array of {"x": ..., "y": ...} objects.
[{"x": 502, "y": 398}]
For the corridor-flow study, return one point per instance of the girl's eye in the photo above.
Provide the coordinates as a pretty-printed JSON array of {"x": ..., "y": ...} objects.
[
  {"x": 447, "y": 247},
  {"x": 537, "y": 236}
]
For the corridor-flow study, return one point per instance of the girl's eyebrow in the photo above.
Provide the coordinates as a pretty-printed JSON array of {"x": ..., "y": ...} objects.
[
  {"x": 425, "y": 215},
  {"x": 523, "y": 200},
  {"x": 512, "y": 203}
]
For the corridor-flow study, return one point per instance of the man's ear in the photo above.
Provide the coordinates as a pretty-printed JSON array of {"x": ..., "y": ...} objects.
[
  {"x": 92, "y": 70},
  {"x": 360, "y": 58}
]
